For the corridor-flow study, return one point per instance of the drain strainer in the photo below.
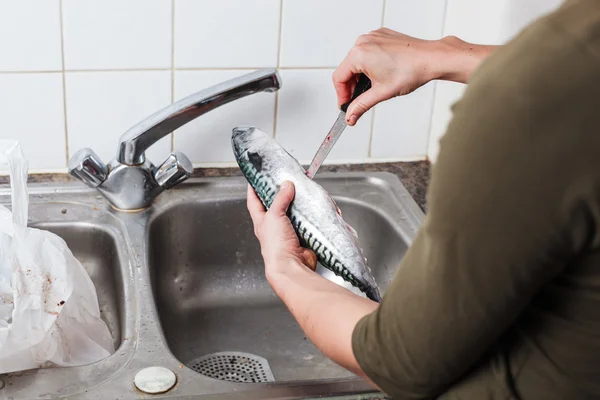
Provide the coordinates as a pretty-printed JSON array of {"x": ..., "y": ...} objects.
[{"x": 233, "y": 366}]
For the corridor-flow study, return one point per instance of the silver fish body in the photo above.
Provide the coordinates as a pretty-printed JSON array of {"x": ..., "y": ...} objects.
[{"x": 313, "y": 213}]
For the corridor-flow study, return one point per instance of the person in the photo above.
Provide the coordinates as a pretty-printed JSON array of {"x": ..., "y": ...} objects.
[{"x": 498, "y": 296}]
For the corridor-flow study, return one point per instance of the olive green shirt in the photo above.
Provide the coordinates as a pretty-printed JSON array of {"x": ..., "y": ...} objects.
[{"x": 499, "y": 295}]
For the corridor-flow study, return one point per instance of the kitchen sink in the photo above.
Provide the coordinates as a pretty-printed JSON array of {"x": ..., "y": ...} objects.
[
  {"x": 184, "y": 279},
  {"x": 212, "y": 294},
  {"x": 97, "y": 250},
  {"x": 99, "y": 241}
]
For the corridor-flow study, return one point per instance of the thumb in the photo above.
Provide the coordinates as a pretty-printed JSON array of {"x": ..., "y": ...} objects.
[
  {"x": 283, "y": 199},
  {"x": 364, "y": 103},
  {"x": 309, "y": 258}
]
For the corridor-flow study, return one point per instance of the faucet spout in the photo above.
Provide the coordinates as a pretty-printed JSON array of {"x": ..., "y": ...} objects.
[
  {"x": 140, "y": 137},
  {"x": 130, "y": 182}
]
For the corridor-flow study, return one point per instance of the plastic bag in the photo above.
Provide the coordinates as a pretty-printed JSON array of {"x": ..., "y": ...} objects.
[{"x": 49, "y": 313}]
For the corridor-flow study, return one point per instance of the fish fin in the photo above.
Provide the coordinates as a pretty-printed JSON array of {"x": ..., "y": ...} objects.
[
  {"x": 374, "y": 295},
  {"x": 353, "y": 232},
  {"x": 339, "y": 212},
  {"x": 337, "y": 209}
]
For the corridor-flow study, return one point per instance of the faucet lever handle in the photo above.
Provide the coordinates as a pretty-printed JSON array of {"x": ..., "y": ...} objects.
[
  {"x": 175, "y": 169},
  {"x": 87, "y": 167}
]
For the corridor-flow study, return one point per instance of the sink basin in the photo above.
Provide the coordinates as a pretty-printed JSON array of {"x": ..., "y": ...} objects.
[
  {"x": 212, "y": 294},
  {"x": 184, "y": 279},
  {"x": 97, "y": 250},
  {"x": 97, "y": 239}
]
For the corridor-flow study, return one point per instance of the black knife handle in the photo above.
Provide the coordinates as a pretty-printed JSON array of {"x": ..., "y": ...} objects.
[{"x": 363, "y": 84}]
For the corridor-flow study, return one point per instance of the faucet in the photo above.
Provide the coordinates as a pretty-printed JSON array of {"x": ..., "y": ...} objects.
[{"x": 131, "y": 182}]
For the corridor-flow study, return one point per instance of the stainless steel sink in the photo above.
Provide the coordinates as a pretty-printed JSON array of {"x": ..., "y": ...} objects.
[
  {"x": 184, "y": 279},
  {"x": 97, "y": 249}
]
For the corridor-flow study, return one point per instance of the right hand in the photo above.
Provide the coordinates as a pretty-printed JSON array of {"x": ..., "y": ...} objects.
[{"x": 397, "y": 64}]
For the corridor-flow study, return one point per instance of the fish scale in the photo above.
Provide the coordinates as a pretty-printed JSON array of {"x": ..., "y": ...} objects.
[
  {"x": 310, "y": 233},
  {"x": 324, "y": 254}
]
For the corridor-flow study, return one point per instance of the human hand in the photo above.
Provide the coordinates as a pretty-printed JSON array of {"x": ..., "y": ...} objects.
[
  {"x": 278, "y": 241},
  {"x": 398, "y": 64}
]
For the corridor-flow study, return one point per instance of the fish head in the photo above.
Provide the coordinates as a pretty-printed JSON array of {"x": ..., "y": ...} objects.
[{"x": 251, "y": 145}]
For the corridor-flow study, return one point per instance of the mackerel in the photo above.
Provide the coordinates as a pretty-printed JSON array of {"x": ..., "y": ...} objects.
[{"x": 313, "y": 213}]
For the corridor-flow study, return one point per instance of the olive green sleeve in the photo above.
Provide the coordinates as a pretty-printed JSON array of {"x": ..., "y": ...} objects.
[{"x": 505, "y": 216}]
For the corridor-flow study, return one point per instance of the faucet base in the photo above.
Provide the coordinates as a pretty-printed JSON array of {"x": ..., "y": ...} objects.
[{"x": 131, "y": 182}]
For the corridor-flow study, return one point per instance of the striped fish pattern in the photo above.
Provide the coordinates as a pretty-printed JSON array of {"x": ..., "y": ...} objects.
[{"x": 313, "y": 213}]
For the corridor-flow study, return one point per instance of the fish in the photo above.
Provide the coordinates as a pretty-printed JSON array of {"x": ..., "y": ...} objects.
[{"x": 314, "y": 215}]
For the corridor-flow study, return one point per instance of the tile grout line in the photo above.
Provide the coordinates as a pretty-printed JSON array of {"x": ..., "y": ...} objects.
[
  {"x": 435, "y": 89},
  {"x": 172, "y": 66},
  {"x": 276, "y": 108},
  {"x": 432, "y": 110},
  {"x": 59, "y": 71},
  {"x": 64, "y": 83},
  {"x": 372, "y": 133},
  {"x": 279, "y": 33},
  {"x": 233, "y": 164}
]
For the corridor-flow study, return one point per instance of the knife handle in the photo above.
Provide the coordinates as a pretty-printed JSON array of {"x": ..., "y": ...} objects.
[{"x": 363, "y": 84}]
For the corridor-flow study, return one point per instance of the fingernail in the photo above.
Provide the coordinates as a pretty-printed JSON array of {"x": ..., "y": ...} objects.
[
  {"x": 285, "y": 185},
  {"x": 352, "y": 120}
]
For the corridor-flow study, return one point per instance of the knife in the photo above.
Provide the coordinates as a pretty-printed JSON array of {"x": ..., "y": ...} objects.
[{"x": 363, "y": 84}]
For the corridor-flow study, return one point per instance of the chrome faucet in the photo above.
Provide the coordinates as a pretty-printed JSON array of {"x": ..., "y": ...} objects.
[{"x": 130, "y": 181}]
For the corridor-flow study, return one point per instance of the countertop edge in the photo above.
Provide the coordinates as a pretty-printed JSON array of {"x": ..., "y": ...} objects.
[{"x": 414, "y": 175}]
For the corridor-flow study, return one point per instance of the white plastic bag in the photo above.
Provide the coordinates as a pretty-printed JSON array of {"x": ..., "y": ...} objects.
[{"x": 49, "y": 313}]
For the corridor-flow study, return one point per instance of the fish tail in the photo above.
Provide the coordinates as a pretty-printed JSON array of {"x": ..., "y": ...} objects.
[{"x": 373, "y": 294}]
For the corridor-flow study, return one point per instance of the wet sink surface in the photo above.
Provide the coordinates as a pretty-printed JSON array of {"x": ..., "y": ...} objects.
[
  {"x": 97, "y": 239},
  {"x": 184, "y": 279},
  {"x": 97, "y": 250},
  {"x": 212, "y": 294}
]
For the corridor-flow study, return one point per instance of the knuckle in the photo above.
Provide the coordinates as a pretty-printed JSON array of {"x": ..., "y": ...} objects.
[
  {"x": 363, "y": 48},
  {"x": 378, "y": 34},
  {"x": 365, "y": 38},
  {"x": 357, "y": 51},
  {"x": 360, "y": 107},
  {"x": 335, "y": 77}
]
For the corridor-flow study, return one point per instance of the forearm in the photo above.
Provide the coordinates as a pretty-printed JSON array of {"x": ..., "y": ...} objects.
[
  {"x": 326, "y": 312},
  {"x": 455, "y": 60},
  {"x": 398, "y": 64}
]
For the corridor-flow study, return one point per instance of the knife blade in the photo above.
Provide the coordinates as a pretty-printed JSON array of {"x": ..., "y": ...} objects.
[{"x": 363, "y": 84}]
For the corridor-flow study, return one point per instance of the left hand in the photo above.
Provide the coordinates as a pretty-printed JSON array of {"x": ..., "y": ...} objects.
[{"x": 278, "y": 241}]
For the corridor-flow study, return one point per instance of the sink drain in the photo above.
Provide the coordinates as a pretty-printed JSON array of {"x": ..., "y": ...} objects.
[{"x": 233, "y": 366}]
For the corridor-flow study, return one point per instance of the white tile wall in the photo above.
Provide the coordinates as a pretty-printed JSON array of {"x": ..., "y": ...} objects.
[
  {"x": 226, "y": 33},
  {"x": 319, "y": 33},
  {"x": 116, "y": 34},
  {"x": 78, "y": 73},
  {"x": 401, "y": 127},
  {"x": 103, "y": 105},
  {"x": 307, "y": 109},
  {"x": 31, "y": 110},
  {"x": 30, "y": 35}
]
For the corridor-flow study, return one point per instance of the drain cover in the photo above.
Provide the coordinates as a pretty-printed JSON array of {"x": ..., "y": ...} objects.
[
  {"x": 233, "y": 366},
  {"x": 154, "y": 380}
]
